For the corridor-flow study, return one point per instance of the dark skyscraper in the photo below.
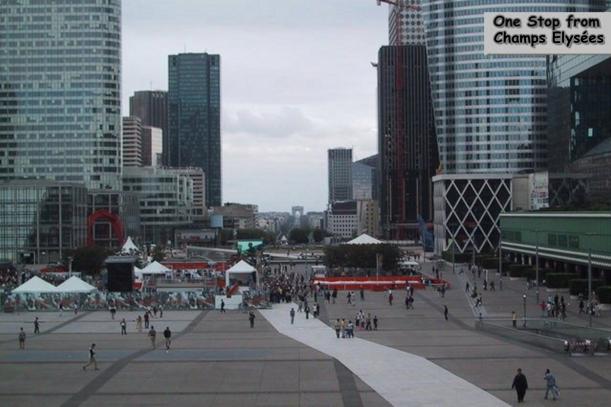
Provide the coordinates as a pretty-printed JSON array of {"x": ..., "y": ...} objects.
[
  {"x": 406, "y": 140},
  {"x": 194, "y": 107},
  {"x": 151, "y": 106}
]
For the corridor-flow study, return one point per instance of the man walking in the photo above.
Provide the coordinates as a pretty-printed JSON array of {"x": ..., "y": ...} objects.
[
  {"x": 292, "y": 314},
  {"x": 153, "y": 336},
  {"x": 251, "y": 319},
  {"x": 167, "y": 334},
  {"x": 92, "y": 360},
  {"x": 123, "y": 327},
  {"x": 337, "y": 328},
  {"x": 21, "y": 339},
  {"x": 307, "y": 311},
  {"x": 551, "y": 386},
  {"x": 445, "y": 312},
  {"x": 521, "y": 385},
  {"x": 222, "y": 305},
  {"x": 375, "y": 322},
  {"x": 146, "y": 319},
  {"x": 36, "y": 326}
]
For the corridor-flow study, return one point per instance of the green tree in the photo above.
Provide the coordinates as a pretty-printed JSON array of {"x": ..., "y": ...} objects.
[
  {"x": 362, "y": 256},
  {"x": 158, "y": 253},
  {"x": 299, "y": 235},
  {"x": 88, "y": 259},
  {"x": 320, "y": 234}
]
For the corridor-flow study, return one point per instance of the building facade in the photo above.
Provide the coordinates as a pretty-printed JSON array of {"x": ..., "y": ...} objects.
[
  {"x": 340, "y": 174},
  {"x": 194, "y": 112},
  {"x": 405, "y": 23},
  {"x": 406, "y": 141},
  {"x": 490, "y": 111},
  {"x": 165, "y": 200},
  {"x": 342, "y": 219},
  {"x": 40, "y": 220},
  {"x": 151, "y": 106},
  {"x": 237, "y": 216},
  {"x": 60, "y": 70},
  {"x": 152, "y": 146},
  {"x": 368, "y": 214},
  {"x": 132, "y": 142}
]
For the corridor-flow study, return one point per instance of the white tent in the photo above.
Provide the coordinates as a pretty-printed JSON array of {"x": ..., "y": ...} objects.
[
  {"x": 129, "y": 247},
  {"x": 75, "y": 285},
  {"x": 364, "y": 239},
  {"x": 155, "y": 268},
  {"x": 35, "y": 285},
  {"x": 240, "y": 267},
  {"x": 138, "y": 272}
]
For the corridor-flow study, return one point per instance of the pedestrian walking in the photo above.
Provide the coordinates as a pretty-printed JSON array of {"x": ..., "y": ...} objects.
[
  {"x": 390, "y": 298},
  {"x": 445, "y": 312},
  {"x": 251, "y": 317},
  {"x": 334, "y": 295},
  {"x": 551, "y": 386},
  {"x": 521, "y": 385},
  {"x": 21, "y": 339},
  {"x": 342, "y": 326},
  {"x": 292, "y": 314},
  {"x": 123, "y": 327},
  {"x": 467, "y": 287},
  {"x": 167, "y": 335},
  {"x": 153, "y": 337},
  {"x": 36, "y": 326},
  {"x": 368, "y": 322},
  {"x": 222, "y": 305},
  {"x": 160, "y": 311},
  {"x": 146, "y": 319},
  {"x": 92, "y": 360},
  {"x": 307, "y": 311},
  {"x": 362, "y": 294},
  {"x": 349, "y": 297},
  {"x": 337, "y": 327},
  {"x": 375, "y": 322},
  {"x": 113, "y": 311}
]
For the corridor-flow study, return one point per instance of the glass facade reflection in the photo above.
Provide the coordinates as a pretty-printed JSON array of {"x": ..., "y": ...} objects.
[
  {"x": 41, "y": 220},
  {"x": 60, "y": 66},
  {"x": 490, "y": 111},
  {"x": 194, "y": 111}
]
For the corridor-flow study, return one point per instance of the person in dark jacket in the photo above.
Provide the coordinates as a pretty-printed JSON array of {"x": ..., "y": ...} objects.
[{"x": 521, "y": 385}]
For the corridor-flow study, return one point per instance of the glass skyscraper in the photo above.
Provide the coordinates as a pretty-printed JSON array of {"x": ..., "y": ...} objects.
[
  {"x": 490, "y": 111},
  {"x": 194, "y": 109},
  {"x": 60, "y": 117},
  {"x": 340, "y": 174}
]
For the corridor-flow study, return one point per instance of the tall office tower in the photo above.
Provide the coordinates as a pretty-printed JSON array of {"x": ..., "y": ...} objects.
[
  {"x": 132, "y": 142},
  {"x": 340, "y": 174},
  {"x": 405, "y": 23},
  {"x": 490, "y": 111},
  {"x": 406, "y": 140},
  {"x": 151, "y": 106},
  {"x": 365, "y": 178},
  {"x": 194, "y": 106},
  {"x": 152, "y": 146},
  {"x": 60, "y": 75}
]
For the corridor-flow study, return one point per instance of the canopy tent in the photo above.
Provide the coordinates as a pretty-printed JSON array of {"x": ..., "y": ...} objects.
[
  {"x": 155, "y": 268},
  {"x": 35, "y": 285},
  {"x": 129, "y": 247},
  {"x": 364, "y": 239},
  {"x": 240, "y": 267},
  {"x": 75, "y": 285}
]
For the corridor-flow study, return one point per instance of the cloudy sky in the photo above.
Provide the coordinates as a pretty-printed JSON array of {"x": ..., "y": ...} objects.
[{"x": 296, "y": 80}]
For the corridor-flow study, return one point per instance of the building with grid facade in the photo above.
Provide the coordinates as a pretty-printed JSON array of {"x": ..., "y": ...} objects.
[{"x": 340, "y": 174}]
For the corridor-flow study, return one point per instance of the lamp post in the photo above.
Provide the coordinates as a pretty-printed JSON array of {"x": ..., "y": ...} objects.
[
  {"x": 590, "y": 307},
  {"x": 537, "y": 267},
  {"x": 453, "y": 261},
  {"x": 70, "y": 259},
  {"x": 524, "y": 304}
]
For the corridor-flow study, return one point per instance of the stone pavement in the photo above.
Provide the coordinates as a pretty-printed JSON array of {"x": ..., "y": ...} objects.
[
  {"x": 215, "y": 360},
  {"x": 400, "y": 377},
  {"x": 485, "y": 360}
]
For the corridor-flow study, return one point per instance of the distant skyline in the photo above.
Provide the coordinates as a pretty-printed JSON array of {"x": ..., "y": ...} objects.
[{"x": 296, "y": 80}]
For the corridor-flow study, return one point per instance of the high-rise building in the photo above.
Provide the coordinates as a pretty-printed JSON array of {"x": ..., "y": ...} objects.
[
  {"x": 490, "y": 111},
  {"x": 152, "y": 146},
  {"x": 132, "y": 141},
  {"x": 364, "y": 178},
  {"x": 60, "y": 73},
  {"x": 406, "y": 140},
  {"x": 405, "y": 23},
  {"x": 340, "y": 174},
  {"x": 151, "y": 106},
  {"x": 194, "y": 111}
]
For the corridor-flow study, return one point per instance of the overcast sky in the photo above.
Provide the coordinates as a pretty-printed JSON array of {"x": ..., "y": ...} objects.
[{"x": 296, "y": 80}]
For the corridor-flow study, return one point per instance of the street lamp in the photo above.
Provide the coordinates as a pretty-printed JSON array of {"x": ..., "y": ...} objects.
[{"x": 524, "y": 304}]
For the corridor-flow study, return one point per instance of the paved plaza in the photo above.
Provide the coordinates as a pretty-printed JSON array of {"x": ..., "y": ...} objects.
[{"x": 218, "y": 360}]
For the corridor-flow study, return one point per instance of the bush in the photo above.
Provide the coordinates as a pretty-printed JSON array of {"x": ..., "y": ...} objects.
[
  {"x": 604, "y": 294},
  {"x": 580, "y": 286},
  {"x": 559, "y": 280},
  {"x": 518, "y": 270}
]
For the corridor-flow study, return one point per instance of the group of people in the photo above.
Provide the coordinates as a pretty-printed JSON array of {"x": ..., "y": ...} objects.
[
  {"x": 553, "y": 307},
  {"x": 520, "y": 384}
]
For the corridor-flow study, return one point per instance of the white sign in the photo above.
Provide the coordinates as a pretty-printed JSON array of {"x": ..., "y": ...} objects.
[
  {"x": 547, "y": 33},
  {"x": 538, "y": 188}
]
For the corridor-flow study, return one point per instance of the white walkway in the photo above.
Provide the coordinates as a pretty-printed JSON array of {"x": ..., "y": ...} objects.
[{"x": 401, "y": 378}]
